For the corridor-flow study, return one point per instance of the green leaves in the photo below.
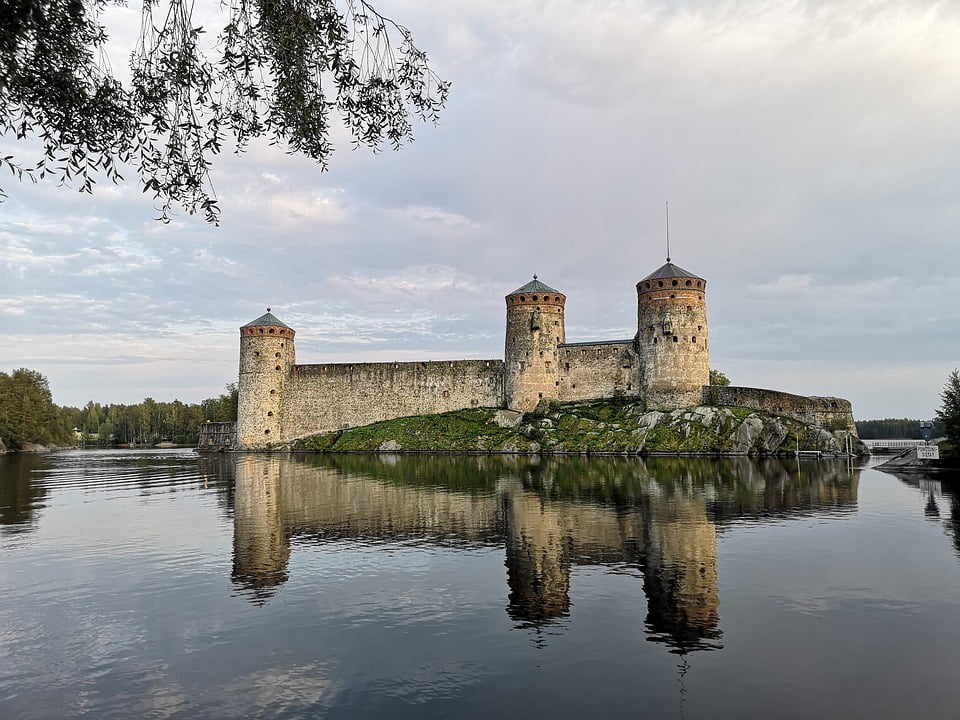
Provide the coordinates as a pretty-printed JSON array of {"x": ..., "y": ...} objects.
[
  {"x": 949, "y": 412},
  {"x": 718, "y": 378},
  {"x": 279, "y": 69}
]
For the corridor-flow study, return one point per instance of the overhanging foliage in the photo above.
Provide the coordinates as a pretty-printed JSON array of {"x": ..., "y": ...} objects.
[{"x": 278, "y": 69}]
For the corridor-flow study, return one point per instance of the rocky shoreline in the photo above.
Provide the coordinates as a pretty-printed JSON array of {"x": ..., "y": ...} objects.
[{"x": 621, "y": 428}]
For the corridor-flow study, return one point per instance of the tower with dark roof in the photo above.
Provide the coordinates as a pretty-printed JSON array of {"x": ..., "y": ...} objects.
[
  {"x": 266, "y": 357},
  {"x": 672, "y": 337},
  {"x": 533, "y": 335}
]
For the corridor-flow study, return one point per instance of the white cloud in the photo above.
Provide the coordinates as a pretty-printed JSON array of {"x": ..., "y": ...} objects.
[{"x": 436, "y": 215}]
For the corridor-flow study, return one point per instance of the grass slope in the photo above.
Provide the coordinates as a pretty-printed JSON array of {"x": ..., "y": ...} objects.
[{"x": 589, "y": 427}]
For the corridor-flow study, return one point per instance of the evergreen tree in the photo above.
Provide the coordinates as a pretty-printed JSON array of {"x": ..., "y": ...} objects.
[{"x": 949, "y": 412}]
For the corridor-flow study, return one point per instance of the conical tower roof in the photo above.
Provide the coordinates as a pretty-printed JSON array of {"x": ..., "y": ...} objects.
[
  {"x": 267, "y": 319},
  {"x": 669, "y": 270},
  {"x": 535, "y": 286}
]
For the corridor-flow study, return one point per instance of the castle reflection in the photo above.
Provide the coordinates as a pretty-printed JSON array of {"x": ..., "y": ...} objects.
[{"x": 659, "y": 517}]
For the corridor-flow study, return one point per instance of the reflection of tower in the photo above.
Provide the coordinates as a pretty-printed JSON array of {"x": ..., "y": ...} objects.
[
  {"x": 261, "y": 548},
  {"x": 680, "y": 577},
  {"x": 266, "y": 357},
  {"x": 535, "y": 330},
  {"x": 538, "y": 560},
  {"x": 672, "y": 337}
]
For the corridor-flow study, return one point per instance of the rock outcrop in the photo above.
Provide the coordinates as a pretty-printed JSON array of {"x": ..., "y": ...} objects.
[{"x": 592, "y": 427}]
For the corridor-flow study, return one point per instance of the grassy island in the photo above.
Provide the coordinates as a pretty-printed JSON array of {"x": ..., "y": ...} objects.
[{"x": 610, "y": 426}]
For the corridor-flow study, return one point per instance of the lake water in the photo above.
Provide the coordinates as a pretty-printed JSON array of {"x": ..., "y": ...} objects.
[{"x": 158, "y": 584}]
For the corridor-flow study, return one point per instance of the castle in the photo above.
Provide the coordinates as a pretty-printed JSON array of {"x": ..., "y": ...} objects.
[{"x": 666, "y": 365}]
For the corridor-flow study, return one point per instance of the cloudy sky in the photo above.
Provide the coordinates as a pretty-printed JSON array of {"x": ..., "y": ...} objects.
[{"x": 810, "y": 153}]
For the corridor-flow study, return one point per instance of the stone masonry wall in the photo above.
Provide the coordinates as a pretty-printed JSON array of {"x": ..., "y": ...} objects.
[
  {"x": 598, "y": 370},
  {"x": 829, "y": 412},
  {"x": 321, "y": 398}
]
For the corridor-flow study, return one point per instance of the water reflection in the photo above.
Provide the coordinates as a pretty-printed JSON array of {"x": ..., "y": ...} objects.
[
  {"x": 20, "y": 492},
  {"x": 937, "y": 492},
  {"x": 657, "y": 519}
]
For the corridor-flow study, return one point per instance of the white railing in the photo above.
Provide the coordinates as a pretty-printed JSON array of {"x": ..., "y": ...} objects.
[{"x": 899, "y": 444}]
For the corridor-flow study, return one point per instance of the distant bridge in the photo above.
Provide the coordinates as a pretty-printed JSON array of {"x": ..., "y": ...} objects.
[{"x": 891, "y": 447}]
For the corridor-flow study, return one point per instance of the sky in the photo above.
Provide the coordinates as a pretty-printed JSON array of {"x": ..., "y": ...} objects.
[{"x": 809, "y": 153}]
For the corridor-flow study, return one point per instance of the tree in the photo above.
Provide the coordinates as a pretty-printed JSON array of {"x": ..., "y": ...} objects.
[
  {"x": 278, "y": 69},
  {"x": 222, "y": 408},
  {"x": 949, "y": 412},
  {"x": 718, "y": 378},
  {"x": 894, "y": 428},
  {"x": 27, "y": 412}
]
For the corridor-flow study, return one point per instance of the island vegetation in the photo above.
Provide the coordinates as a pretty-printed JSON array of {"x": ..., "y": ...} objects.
[{"x": 617, "y": 425}]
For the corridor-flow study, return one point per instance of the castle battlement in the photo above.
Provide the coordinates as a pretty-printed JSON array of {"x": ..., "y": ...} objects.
[{"x": 666, "y": 365}]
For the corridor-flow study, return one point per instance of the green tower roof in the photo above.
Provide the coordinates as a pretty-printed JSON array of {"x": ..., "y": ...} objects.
[
  {"x": 535, "y": 286},
  {"x": 267, "y": 319},
  {"x": 669, "y": 270}
]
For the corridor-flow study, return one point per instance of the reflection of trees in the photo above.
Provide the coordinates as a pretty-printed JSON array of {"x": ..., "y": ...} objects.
[
  {"x": 953, "y": 524},
  {"x": 942, "y": 485},
  {"x": 659, "y": 515},
  {"x": 20, "y": 494}
]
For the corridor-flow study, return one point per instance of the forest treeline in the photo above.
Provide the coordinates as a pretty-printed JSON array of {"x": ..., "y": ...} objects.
[
  {"x": 29, "y": 415},
  {"x": 895, "y": 429}
]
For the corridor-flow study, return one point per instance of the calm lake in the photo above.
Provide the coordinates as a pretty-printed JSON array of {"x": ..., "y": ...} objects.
[{"x": 156, "y": 584}]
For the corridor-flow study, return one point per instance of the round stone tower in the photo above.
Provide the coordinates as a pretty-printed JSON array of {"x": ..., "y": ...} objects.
[
  {"x": 531, "y": 357},
  {"x": 266, "y": 358},
  {"x": 672, "y": 337}
]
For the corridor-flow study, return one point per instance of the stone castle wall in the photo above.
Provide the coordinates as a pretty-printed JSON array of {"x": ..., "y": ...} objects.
[
  {"x": 598, "y": 370},
  {"x": 829, "y": 412},
  {"x": 321, "y": 398}
]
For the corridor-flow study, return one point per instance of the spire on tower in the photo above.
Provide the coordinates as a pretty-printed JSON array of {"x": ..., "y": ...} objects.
[{"x": 667, "y": 210}]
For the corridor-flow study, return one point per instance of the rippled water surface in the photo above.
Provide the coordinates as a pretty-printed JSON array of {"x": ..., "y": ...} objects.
[{"x": 162, "y": 585}]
